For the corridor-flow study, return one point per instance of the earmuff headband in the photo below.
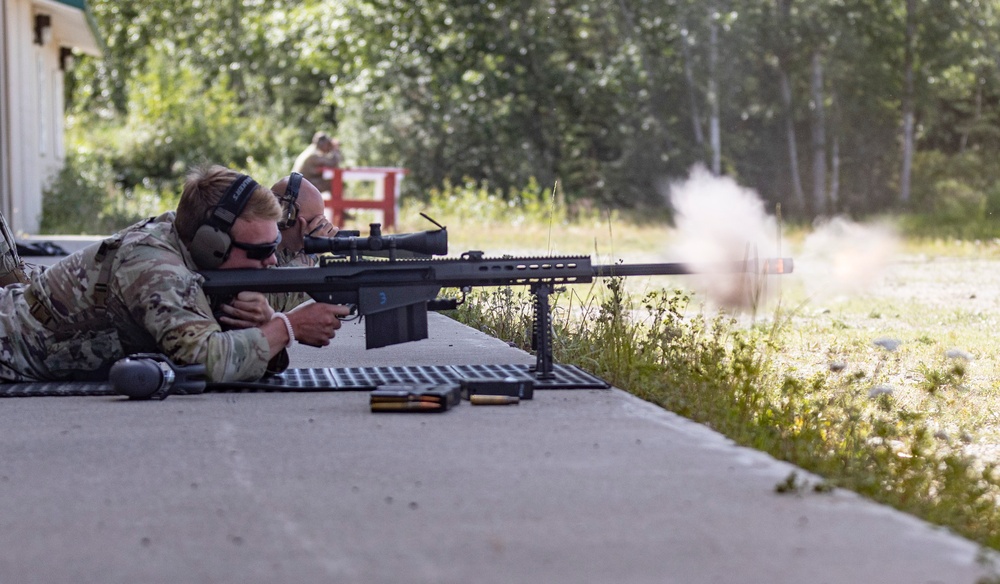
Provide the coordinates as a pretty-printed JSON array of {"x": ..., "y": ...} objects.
[
  {"x": 289, "y": 201},
  {"x": 232, "y": 203},
  {"x": 211, "y": 243}
]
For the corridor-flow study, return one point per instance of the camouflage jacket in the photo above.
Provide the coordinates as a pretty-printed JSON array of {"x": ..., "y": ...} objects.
[
  {"x": 153, "y": 302},
  {"x": 311, "y": 163}
]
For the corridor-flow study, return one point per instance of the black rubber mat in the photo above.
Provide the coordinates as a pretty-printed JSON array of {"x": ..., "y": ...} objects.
[
  {"x": 56, "y": 388},
  {"x": 341, "y": 379}
]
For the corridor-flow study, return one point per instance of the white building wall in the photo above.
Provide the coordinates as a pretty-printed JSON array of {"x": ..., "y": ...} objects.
[
  {"x": 31, "y": 133},
  {"x": 4, "y": 118},
  {"x": 22, "y": 81}
]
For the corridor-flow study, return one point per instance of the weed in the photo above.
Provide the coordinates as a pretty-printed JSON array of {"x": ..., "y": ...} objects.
[
  {"x": 791, "y": 484},
  {"x": 935, "y": 380}
]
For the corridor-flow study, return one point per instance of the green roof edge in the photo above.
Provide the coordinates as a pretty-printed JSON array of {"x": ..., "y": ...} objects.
[{"x": 82, "y": 6}]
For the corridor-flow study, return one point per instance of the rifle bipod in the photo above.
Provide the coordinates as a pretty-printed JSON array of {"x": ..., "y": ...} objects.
[{"x": 541, "y": 330}]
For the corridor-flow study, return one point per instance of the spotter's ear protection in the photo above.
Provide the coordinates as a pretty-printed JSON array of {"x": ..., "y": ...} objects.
[
  {"x": 288, "y": 202},
  {"x": 212, "y": 243}
]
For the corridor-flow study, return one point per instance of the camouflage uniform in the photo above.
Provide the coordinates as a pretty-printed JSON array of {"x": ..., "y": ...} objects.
[
  {"x": 66, "y": 325},
  {"x": 311, "y": 163}
]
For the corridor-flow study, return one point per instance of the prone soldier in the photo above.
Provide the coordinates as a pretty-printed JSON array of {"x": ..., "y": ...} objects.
[
  {"x": 139, "y": 291},
  {"x": 302, "y": 214}
]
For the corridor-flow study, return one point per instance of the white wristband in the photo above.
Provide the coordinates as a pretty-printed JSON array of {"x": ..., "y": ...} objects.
[{"x": 288, "y": 326}]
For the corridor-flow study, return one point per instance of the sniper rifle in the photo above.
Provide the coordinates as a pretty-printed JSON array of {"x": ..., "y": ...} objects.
[{"x": 394, "y": 293}]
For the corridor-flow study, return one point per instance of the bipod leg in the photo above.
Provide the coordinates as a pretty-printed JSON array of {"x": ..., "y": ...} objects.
[{"x": 541, "y": 334}]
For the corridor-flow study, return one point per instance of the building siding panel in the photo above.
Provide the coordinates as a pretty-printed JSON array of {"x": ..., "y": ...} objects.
[{"x": 32, "y": 148}]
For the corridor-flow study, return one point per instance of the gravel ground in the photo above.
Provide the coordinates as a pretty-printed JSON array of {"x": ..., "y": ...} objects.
[{"x": 942, "y": 311}]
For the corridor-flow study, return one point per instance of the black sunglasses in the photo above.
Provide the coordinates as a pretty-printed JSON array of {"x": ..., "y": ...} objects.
[{"x": 259, "y": 251}]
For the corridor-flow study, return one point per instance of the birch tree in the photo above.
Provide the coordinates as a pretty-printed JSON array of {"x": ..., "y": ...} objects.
[
  {"x": 907, "y": 101},
  {"x": 784, "y": 9},
  {"x": 714, "y": 132},
  {"x": 818, "y": 136}
]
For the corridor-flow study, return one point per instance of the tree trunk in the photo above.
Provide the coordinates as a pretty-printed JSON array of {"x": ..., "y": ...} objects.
[
  {"x": 818, "y": 137},
  {"x": 659, "y": 102},
  {"x": 976, "y": 116},
  {"x": 835, "y": 155},
  {"x": 908, "y": 121},
  {"x": 699, "y": 137},
  {"x": 835, "y": 175},
  {"x": 237, "y": 45},
  {"x": 793, "y": 149},
  {"x": 713, "y": 91},
  {"x": 784, "y": 16}
]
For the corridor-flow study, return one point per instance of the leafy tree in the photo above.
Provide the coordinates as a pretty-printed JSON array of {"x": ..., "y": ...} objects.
[{"x": 606, "y": 97}]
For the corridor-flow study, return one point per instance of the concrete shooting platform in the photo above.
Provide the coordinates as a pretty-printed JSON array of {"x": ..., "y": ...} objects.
[{"x": 575, "y": 486}]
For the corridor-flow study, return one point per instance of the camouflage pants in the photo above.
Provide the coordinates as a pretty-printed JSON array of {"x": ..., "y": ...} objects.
[
  {"x": 31, "y": 352},
  {"x": 23, "y": 338}
]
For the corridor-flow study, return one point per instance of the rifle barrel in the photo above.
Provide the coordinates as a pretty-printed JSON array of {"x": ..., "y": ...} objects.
[
  {"x": 347, "y": 277},
  {"x": 761, "y": 266}
]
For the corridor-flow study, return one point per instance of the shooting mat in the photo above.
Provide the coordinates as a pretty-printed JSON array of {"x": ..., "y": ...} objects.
[{"x": 339, "y": 379}]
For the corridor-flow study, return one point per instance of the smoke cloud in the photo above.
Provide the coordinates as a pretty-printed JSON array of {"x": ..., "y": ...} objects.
[
  {"x": 843, "y": 257},
  {"x": 717, "y": 221}
]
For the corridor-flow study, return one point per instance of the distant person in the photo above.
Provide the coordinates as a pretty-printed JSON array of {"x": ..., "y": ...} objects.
[{"x": 324, "y": 152}]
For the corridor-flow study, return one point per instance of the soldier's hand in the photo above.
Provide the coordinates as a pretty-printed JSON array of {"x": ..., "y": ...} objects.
[
  {"x": 246, "y": 310},
  {"x": 316, "y": 323},
  {"x": 318, "y": 226}
]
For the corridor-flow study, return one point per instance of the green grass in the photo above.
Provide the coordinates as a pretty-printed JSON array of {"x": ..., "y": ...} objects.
[{"x": 890, "y": 392}]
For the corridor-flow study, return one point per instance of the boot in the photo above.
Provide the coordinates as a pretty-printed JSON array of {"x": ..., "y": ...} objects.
[{"x": 12, "y": 269}]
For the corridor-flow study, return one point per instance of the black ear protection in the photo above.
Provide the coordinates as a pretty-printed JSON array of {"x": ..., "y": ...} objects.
[
  {"x": 288, "y": 202},
  {"x": 212, "y": 243}
]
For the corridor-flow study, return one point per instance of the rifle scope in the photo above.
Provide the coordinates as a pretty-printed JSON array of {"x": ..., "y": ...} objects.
[{"x": 423, "y": 242}]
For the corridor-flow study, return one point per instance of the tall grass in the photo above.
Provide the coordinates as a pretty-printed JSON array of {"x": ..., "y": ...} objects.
[{"x": 717, "y": 371}]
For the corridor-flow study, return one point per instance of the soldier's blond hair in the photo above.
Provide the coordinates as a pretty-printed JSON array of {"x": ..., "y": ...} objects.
[{"x": 203, "y": 190}]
